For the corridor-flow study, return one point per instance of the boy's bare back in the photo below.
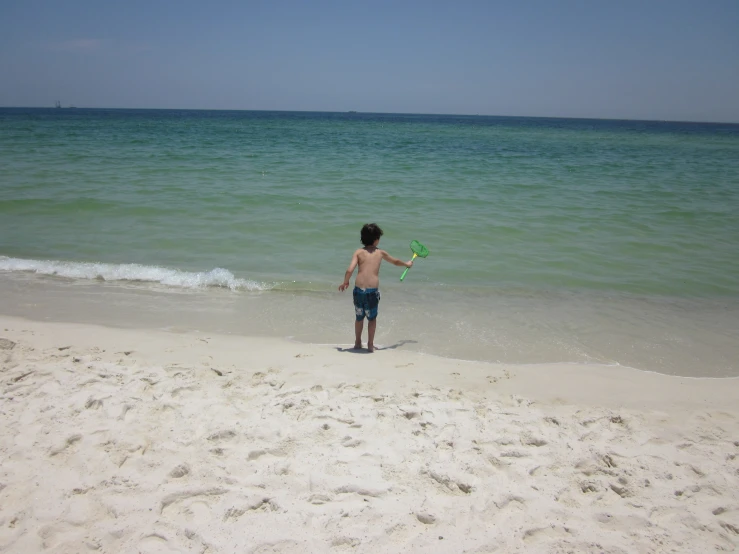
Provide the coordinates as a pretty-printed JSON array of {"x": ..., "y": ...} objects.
[{"x": 369, "y": 259}]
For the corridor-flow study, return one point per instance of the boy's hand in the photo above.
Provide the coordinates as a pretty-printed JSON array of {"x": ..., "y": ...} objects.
[
  {"x": 409, "y": 263},
  {"x": 343, "y": 286}
]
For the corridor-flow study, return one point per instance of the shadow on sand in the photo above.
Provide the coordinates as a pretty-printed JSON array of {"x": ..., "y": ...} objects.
[{"x": 353, "y": 350}]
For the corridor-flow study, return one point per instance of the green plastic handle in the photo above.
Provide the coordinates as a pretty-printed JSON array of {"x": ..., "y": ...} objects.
[{"x": 407, "y": 268}]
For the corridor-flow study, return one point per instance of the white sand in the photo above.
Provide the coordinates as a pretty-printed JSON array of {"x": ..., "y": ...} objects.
[{"x": 146, "y": 441}]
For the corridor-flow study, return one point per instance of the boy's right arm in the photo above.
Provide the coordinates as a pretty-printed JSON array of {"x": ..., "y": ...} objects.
[
  {"x": 348, "y": 275},
  {"x": 395, "y": 261}
]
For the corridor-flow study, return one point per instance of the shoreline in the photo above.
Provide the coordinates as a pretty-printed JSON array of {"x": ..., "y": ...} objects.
[
  {"x": 595, "y": 384},
  {"x": 136, "y": 440},
  {"x": 668, "y": 336}
]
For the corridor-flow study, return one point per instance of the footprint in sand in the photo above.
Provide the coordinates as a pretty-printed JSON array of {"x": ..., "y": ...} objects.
[
  {"x": 194, "y": 504},
  {"x": 6, "y": 344},
  {"x": 350, "y": 442},
  {"x": 180, "y": 471},
  {"x": 539, "y": 534},
  {"x": 69, "y": 442},
  {"x": 494, "y": 379},
  {"x": 94, "y": 403},
  {"x": 514, "y": 503},
  {"x": 156, "y": 543},
  {"x": 225, "y": 435},
  {"x": 233, "y": 514}
]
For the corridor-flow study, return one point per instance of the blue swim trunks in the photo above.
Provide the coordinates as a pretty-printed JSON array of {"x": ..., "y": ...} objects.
[{"x": 365, "y": 303}]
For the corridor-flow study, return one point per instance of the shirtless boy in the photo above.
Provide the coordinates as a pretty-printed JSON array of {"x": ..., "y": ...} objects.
[{"x": 366, "y": 285}]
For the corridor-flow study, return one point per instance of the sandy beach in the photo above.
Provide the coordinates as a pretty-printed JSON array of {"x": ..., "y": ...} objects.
[{"x": 119, "y": 440}]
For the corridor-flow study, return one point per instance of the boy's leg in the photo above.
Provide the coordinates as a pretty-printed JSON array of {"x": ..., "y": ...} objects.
[
  {"x": 358, "y": 326},
  {"x": 371, "y": 325}
]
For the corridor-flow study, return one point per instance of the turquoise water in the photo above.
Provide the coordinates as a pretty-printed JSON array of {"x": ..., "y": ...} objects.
[{"x": 272, "y": 202}]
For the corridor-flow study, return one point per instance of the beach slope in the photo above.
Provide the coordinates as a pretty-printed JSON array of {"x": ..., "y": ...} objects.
[{"x": 119, "y": 440}]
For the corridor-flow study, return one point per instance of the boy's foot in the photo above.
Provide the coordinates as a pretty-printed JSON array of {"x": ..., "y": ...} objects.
[
  {"x": 357, "y": 345},
  {"x": 371, "y": 347}
]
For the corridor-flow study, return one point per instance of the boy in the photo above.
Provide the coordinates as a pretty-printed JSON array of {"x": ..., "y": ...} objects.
[{"x": 366, "y": 285}]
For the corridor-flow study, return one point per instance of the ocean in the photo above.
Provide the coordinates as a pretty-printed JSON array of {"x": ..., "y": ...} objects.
[{"x": 551, "y": 240}]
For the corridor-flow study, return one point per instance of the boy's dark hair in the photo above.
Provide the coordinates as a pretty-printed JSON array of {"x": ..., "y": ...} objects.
[{"x": 370, "y": 233}]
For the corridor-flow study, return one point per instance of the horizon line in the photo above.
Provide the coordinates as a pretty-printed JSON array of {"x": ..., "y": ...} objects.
[{"x": 358, "y": 112}]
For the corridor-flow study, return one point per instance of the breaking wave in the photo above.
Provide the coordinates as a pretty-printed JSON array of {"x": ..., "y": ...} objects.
[{"x": 217, "y": 277}]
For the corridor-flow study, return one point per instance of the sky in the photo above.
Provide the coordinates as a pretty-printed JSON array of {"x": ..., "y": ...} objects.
[{"x": 646, "y": 59}]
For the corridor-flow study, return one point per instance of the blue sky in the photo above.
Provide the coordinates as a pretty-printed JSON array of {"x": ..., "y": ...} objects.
[{"x": 650, "y": 59}]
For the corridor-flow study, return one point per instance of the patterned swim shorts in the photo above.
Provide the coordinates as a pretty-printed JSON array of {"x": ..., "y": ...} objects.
[{"x": 366, "y": 302}]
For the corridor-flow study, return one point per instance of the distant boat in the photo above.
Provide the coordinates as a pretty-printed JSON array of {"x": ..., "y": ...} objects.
[
  {"x": 58, "y": 104},
  {"x": 352, "y": 111}
]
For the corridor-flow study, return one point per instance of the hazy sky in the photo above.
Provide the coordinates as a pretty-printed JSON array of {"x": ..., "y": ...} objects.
[{"x": 646, "y": 59}]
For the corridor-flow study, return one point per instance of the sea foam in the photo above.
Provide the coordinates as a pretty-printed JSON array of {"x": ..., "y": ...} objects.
[{"x": 217, "y": 277}]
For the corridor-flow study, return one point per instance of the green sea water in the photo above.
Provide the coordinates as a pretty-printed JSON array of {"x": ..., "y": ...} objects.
[{"x": 612, "y": 228}]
